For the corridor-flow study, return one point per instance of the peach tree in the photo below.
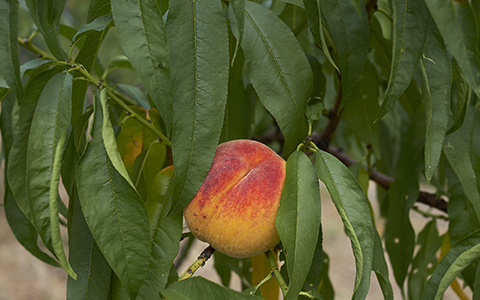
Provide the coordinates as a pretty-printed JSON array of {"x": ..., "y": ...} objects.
[{"x": 100, "y": 98}]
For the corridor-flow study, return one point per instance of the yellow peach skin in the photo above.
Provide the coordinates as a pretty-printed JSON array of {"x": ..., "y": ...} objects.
[{"x": 235, "y": 208}]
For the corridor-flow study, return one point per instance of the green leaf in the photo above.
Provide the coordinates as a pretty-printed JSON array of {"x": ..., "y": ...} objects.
[
  {"x": 239, "y": 109},
  {"x": 165, "y": 232},
  {"x": 298, "y": 219},
  {"x": 136, "y": 94},
  {"x": 411, "y": 21},
  {"x": 46, "y": 17},
  {"x": 198, "y": 38},
  {"x": 437, "y": 77},
  {"x": 49, "y": 123},
  {"x": 278, "y": 71},
  {"x": 403, "y": 193},
  {"x": 236, "y": 9},
  {"x": 457, "y": 152},
  {"x": 110, "y": 142},
  {"x": 17, "y": 160},
  {"x": 88, "y": 55},
  {"x": 118, "y": 62},
  {"x": 456, "y": 22},
  {"x": 54, "y": 209},
  {"x": 98, "y": 25},
  {"x": 20, "y": 225},
  {"x": 459, "y": 257},
  {"x": 143, "y": 38},
  {"x": 93, "y": 271},
  {"x": 461, "y": 96},
  {"x": 32, "y": 65},
  {"x": 379, "y": 266},
  {"x": 362, "y": 106},
  {"x": 10, "y": 62},
  {"x": 350, "y": 33},
  {"x": 314, "y": 108},
  {"x": 352, "y": 206},
  {"x": 475, "y": 143},
  {"x": 4, "y": 88},
  {"x": 316, "y": 26},
  {"x": 425, "y": 260},
  {"x": 114, "y": 211},
  {"x": 201, "y": 288}
]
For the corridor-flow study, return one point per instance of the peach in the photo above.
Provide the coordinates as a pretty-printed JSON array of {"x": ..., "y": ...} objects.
[{"x": 235, "y": 208}]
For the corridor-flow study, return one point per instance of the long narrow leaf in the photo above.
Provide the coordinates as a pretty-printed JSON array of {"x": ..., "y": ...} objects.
[
  {"x": 456, "y": 21},
  {"x": 20, "y": 225},
  {"x": 437, "y": 77},
  {"x": 94, "y": 273},
  {"x": 88, "y": 54},
  {"x": 314, "y": 15},
  {"x": 459, "y": 257},
  {"x": 10, "y": 62},
  {"x": 198, "y": 36},
  {"x": 352, "y": 206},
  {"x": 350, "y": 33},
  {"x": 46, "y": 16},
  {"x": 298, "y": 219},
  {"x": 410, "y": 27},
  {"x": 457, "y": 151},
  {"x": 143, "y": 38},
  {"x": 278, "y": 70},
  {"x": 113, "y": 210},
  {"x": 53, "y": 206},
  {"x": 50, "y": 121}
]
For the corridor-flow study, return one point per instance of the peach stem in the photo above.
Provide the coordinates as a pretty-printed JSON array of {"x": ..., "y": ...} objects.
[
  {"x": 276, "y": 272},
  {"x": 200, "y": 262}
]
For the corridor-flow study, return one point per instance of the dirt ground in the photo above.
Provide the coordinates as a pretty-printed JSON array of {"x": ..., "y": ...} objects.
[{"x": 23, "y": 277}]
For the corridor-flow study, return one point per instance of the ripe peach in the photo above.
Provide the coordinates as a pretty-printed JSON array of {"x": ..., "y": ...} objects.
[{"x": 235, "y": 208}]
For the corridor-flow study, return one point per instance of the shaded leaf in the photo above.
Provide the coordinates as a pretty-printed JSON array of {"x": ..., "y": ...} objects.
[
  {"x": 236, "y": 8},
  {"x": 113, "y": 210},
  {"x": 143, "y": 38},
  {"x": 239, "y": 109},
  {"x": 49, "y": 123},
  {"x": 88, "y": 55},
  {"x": 10, "y": 62},
  {"x": 425, "y": 260},
  {"x": 457, "y": 152},
  {"x": 99, "y": 25},
  {"x": 314, "y": 15},
  {"x": 379, "y": 266},
  {"x": 350, "y": 33},
  {"x": 456, "y": 21},
  {"x": 33, "y": 64},
  {"x": 17, "y": 159},
  {"x": 352, "y": 206},
  {"x": 94, "y": 273},
  {"x": 459, "y": 257},
  {"x": 411, "y": 21},
  {"x": 362, "y": 106},
  {"x": 403, "y": 193},
  {"x": 20, "y": 225},
  {"x": 46, "y": 17},
  {"x": 278, "y": 71},
  {"x": 298, "y": 219},
  {"x": 201, "y": 288},
  {"x": 437, "y": 77},
  {"x": 165, "y": 232},
  {"x": 199, "y": 41}
]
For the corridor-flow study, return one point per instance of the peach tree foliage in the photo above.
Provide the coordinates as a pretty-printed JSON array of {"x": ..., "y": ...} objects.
[{"x": 349, "y": 92}]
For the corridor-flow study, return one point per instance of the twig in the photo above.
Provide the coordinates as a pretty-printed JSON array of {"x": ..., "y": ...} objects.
[
  {"x": 276, "y": 272},
  {"x": 200, "y": 262}
]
